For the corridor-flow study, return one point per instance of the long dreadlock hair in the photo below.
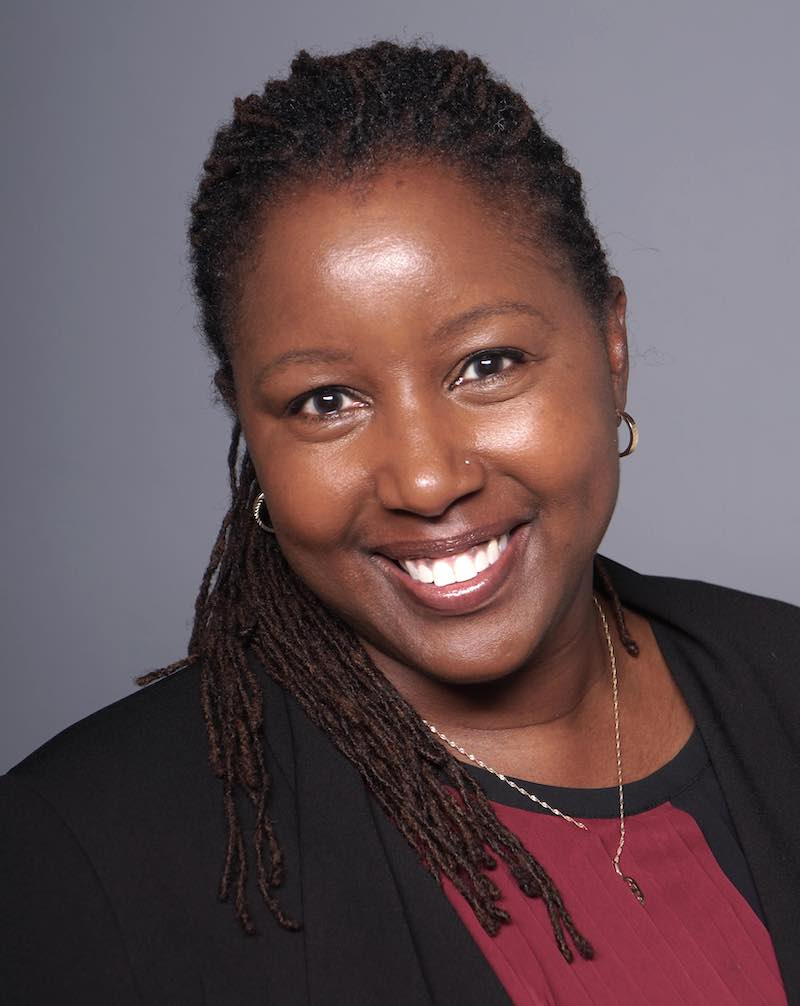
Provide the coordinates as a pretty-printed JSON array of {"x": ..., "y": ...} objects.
[{"x": 334, "y": 118}]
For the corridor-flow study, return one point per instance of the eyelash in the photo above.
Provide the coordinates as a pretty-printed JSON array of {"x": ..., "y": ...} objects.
[
  {"x": 516, "y": 355},
  {"x": 295, "y": 407}
]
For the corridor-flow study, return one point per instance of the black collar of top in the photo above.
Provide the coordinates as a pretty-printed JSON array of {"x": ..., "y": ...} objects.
[{"x": 662, "y": 785}]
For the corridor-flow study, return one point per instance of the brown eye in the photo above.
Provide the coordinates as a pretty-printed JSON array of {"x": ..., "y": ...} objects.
[
  {"x": 489, "y": 364},
  {"x": 326, "y": 401},
  {"x": 322, "y": 403}
]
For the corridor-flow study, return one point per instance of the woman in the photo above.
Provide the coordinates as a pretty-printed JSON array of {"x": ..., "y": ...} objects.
[{"x": 455, "y": 757}]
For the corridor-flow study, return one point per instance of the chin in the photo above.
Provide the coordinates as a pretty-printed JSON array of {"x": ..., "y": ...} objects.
[
  {"x": 463, "y": 677},
  {"x": 472, "y": 664}
]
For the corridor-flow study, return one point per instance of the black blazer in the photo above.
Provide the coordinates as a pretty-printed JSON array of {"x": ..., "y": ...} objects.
[{"x": 112, "y": 839}]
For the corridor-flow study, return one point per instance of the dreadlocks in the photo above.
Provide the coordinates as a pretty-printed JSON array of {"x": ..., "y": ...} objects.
[{"x": 334, "y": 118}]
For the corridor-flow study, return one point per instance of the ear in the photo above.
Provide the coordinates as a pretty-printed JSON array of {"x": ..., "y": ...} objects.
[
  {"x": 616, "y": 340},
  {"x": 223, "y": 381}
]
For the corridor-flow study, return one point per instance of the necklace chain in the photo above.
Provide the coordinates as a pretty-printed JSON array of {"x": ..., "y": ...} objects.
[
  {"x": 531, "y": 796},
  {"x": 634, "y": 887}
]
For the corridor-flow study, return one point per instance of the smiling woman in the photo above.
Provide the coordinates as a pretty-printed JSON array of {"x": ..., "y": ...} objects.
[
  {"x": 455, "y": 756},
  {"x": 420, "y": 337}
]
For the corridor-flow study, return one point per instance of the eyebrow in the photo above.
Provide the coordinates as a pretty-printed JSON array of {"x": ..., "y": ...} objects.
[
  {"x": 480, "y": 311},
  {"x": 443, "y": 331},
  {"x": 291, "y": 356}
]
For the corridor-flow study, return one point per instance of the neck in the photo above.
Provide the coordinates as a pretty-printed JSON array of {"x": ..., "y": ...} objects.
[
  {"x": 551, "y": 720},
  {"x": 556, "y": 688}
]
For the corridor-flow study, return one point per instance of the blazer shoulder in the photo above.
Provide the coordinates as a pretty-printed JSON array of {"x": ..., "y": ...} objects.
[
  {"x": 143, "y": 746},
  {"x": 127, "y": 728},
  {"x": 748, "y": 621},
  {"x": 150, "y": 745},
  {"x": 723, "y": 599}
]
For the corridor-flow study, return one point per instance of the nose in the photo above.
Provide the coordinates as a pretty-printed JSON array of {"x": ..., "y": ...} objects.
[{"x": 426, "y": 464}]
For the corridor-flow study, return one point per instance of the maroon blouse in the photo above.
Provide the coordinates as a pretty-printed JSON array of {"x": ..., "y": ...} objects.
[{"x": 698, "y": 939}]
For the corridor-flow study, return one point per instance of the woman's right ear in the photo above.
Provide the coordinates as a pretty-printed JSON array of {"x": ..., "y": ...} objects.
[{"x": 223, "y": 381}]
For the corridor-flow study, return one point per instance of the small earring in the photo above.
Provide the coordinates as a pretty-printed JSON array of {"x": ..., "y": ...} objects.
[
  {"x": 256, "y": 514},
  {"x": 632, "y": 430}
]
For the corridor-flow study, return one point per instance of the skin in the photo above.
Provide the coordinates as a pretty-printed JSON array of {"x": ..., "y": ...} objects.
[{"x": 366, "y": 277}]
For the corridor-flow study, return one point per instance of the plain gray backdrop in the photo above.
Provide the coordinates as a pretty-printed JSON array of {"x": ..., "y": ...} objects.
[{"x": 682, "y": 117}]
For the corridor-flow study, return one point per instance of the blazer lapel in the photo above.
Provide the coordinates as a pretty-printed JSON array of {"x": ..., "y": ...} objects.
[
  {"x": 358, "y": 948},
  {"x": 454, "y": 966},
  {"x": 377, "y": 927}
]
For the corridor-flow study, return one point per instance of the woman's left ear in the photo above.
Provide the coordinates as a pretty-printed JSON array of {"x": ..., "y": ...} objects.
[{"x": 616, "y": 339}]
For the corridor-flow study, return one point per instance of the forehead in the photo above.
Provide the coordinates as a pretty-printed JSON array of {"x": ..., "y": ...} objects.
[
  {"x": 408, "y": 189},
  {"x": 414, "y": 235}
]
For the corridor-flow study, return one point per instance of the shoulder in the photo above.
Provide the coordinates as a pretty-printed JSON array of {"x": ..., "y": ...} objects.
[
  {"x": 742, "y": 620},
  {"x": 83, "y": 821},
  {"x": 113, "y": 835},
  {"x": 123, "y": 740},
  {"x": 116, "y": 790},
  {"x": 143, "y": 755},
  {"x": 129, "y": 791}
]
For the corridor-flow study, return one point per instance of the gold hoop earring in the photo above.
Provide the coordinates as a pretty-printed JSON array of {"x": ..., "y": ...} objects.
[
  {"x": 257, "y": 515},
  {"x": 632, "y": 430}
]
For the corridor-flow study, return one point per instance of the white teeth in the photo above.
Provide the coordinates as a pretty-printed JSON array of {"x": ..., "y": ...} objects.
[
  {"x": 424, "y": 572},
  {"x": 464, "y": 568},
  {"x": 443, "y": 573},
  {"x": 456, "y": 568}
]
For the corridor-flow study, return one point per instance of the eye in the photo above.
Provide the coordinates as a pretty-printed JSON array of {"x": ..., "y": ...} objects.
[
  {"x": 323, "y": 403},
  {"x": 487, "y": 364}
]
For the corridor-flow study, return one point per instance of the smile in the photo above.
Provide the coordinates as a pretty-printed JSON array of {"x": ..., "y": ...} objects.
[
  {"x": 459, "y": 582},
  {"x": 458, "y": 568}
]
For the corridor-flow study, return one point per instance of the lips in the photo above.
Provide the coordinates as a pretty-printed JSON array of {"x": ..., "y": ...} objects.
[
  {"x": 468, "y": 578},
  {"x": 456, "y": 568},
  {"x": 436, "y": 548}
]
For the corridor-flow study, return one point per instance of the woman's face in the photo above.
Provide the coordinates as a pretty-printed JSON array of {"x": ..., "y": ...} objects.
[{"x": 426, "y": 398}]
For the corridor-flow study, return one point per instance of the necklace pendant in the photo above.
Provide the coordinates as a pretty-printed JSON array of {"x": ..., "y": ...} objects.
[{"x": 635, "y": 889}]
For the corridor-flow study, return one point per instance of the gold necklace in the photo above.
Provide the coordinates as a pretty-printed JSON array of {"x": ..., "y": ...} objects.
[{"x": 634, "y": 887}]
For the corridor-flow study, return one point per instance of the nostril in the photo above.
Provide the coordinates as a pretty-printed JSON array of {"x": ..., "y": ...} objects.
[{"x": 425, "y": 476}]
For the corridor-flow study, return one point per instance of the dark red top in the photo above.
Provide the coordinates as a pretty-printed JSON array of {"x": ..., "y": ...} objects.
[{"x": 698, "y": 939}]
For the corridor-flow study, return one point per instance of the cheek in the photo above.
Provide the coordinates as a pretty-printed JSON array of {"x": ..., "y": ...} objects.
[
  {"x": 313, "y": 495},
  {"x": 560, "y": 443},
  {"x": 317, "y": 497}
]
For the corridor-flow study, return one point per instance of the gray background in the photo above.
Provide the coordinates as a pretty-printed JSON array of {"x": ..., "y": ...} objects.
[{"x": 682, "y": 117}]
